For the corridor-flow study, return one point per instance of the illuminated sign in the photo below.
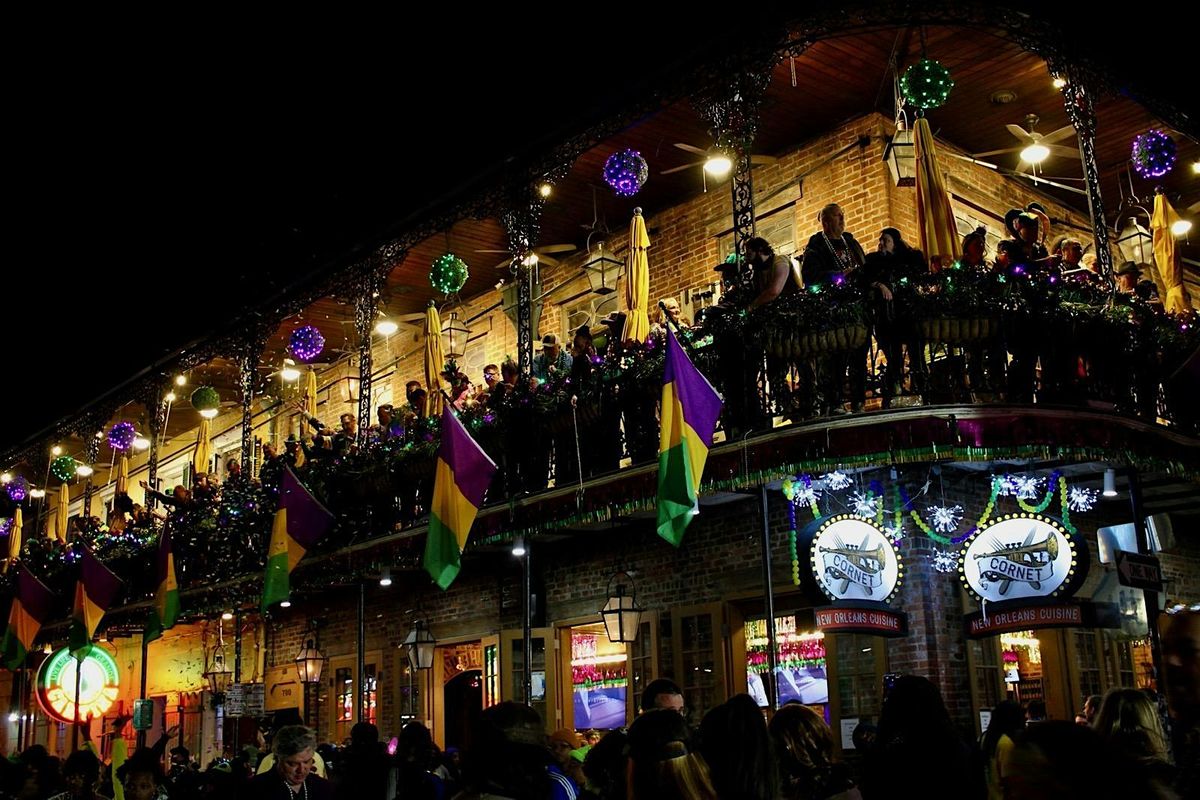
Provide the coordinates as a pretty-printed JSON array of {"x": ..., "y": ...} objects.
[
  {"x": 853, "y": 559},
  {"x": 1019, "y": 556},
  {"x": 97, "y": 686}
]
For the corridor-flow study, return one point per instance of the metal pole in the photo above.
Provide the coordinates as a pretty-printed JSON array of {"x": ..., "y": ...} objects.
[
  {"x": 362, "y": 635},
  {"x": 1143, "y": 543},
  {"x": 771, "y": 686},
  {"x": 141, "y": 735},
  {"x": 75, "y": 727},
  {"x": 527, "y": 622},
  {"x": 20, "y": 708}
]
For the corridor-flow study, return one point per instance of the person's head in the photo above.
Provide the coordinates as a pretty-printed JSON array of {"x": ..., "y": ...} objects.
[
  {"x": 1088, "y": 262},
  {"x": 1071, "y": 251},
  {"x": 1035, "y": 710},
  {"x": 1028, "y": 227},
  {"x": 891, "y": 242},
  {"x": 605, "y": 765},
  {"x": 550, "y": 345},
  {"x": 364, "y": 734},
  {"x": 1058, "y": 760},
  {"x": 141, "y": 775},
  {"x": 737, "y": 749},
  {"x": 508, "y": 372},
  {"x": 293, "y": 747},
  {"x": 508, "y": 753},
  {"x": 349, "y": 421},
  {"x": 180, "y": 755},
  {"x": 1091, "y": 707},
  {"x": 833, "y": 220},
  {"x": 758, "y": 251},
  {"x": 385, "y": 414},
  {"x": 234, "y": 467},
  {"x": 913, "y": 707},
  {"x": 662, "y": 693},
  {"x": 181, "y": 493},
  {"x": 491, "y": 375},
  {"x": 80, "y": 772},
  {"x": 583, "y": 339},
  {"x": 1127, "y": 276},
  {"x": 1130, "y": 721},
  {"x": 662, "y": 763},
  {"x": 269, "y": 451},
  {"x": 418, "y": 400},
  {"x": 803, "y": 742},
  {"x": 1008, "y": 719},
  {"x": 1005, "y": 257},
  {"x": 291, "y": 445},
  {"x": 562, "y": 742},
  {"x": 974, "y": 246},
  {"x": 1181, "y": 662},
  {"x": 415, "y": 743},
  {"x": 672, "y": 306}
]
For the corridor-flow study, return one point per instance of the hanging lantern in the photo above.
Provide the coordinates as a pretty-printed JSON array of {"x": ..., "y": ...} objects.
[
  {"x": 603, "y": 269},
  {"x": 309, "y": 663},
  {"x": 206, "y": 400},
  {"x": 454, "y": 337},
  {"x": 448, "y": 274},
  {"x": 626, "y": 172},
  {"x": 926, "y": 84},
  {"x": 901, "y": 158},
  {"x": 350, "y": 387},
  {"x": 1135, "y": 241},
  {"x": 63, "y": 468},
  {"x": 306, "y": 343},
  {"x": 420, "y": 644},
  {"x": 121, "y": 436},
  {"x": 622, "y": 615},
  {"x": 1154, "y": 154},
  {"x": 219, "y": 676}
]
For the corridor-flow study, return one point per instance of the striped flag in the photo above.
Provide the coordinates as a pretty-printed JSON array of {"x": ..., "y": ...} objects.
[
  {"x": 690, "y": 408},
  {"x": 166, "y": 594},
  {"x": 95, "y": 592},
  {"x": 460, "y": 482},
  {"x": 31, "y": 606},
  {"x": 299, "y": 524}
]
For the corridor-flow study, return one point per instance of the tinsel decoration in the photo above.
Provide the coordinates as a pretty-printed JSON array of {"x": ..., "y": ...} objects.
[
  {"x": 1081, "y": 498},
  {"x": 121, "y": 436},
  {"x": 626, "y": 172},
  {"x": 944, "y": 561},
  {"x": 18, "y": 489},
  {"x": 205, "y": 398},
  {"x": 448, "y": 274},
  {"x": 63, "y": 468},
  {"x": 1154, "y": 153},
  {"x": 926, "y": 84},
  {"x": 945, "y": 518},
  {"x": 865, "y": 504},
  {"x": 836, "y": 480},
  {"x": 306, "y": 343}
]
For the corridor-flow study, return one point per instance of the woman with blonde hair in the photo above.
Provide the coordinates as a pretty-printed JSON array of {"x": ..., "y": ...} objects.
[
  {"x": 1129, "y": 721},
  {"x": 662, "y": 762},
  {"x": 804, "y": 746}
]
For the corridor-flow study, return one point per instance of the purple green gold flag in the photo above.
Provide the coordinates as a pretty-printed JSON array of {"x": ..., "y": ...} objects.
[
  {"x": 165, "y": 611},
  {"x": 31, "y": 606},
  {"x": 690, "y": 408},
  {"x": 95, "y": 592},
  {"x": 460, "y": 483},
  {"x": 299, "y": 524}
]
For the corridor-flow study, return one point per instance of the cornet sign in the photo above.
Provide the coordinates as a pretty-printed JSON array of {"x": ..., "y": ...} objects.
[
  {"x": 1018, "y": 556},
  {"x": 853, "y": 559}
]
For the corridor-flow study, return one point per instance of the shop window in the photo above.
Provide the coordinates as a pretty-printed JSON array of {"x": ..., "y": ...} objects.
[
  {"x": 599, "y": 682},
  {"x": 370, "y": 695},
  {"x": 343, "y": 687},
  {"x": 860, "y": 693},
  {"x": 408, "y": 698},
  {"x": 986, "y": 673},
  {"x": 642, "y": 665},
  {"x": 800, "y": 660},
  {"x": 1021, "y": 658},
  {"x": 698, "y": 662},
  {"x": 1087, "y": 662}
]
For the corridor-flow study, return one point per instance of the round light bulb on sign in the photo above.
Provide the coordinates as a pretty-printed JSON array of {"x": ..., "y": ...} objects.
[{"x": 99, "y": 684}]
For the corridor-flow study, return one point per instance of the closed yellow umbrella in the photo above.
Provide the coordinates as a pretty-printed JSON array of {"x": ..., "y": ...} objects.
[
  {"x": 14, "y": 540},
  {"x": 1166, "y": 256},
  {"x": 122, "y": 474},
  {"x": 435, "y": 361},
  {"x": 202, "y": 455},
  {"x": 936, "y": 231},
  {"x": 64, "y": 513},
  {"x": 310, "y": 398},
  {"x": 637, "y": 281}
]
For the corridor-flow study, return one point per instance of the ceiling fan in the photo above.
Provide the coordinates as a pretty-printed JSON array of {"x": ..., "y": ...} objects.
[
  {"x": 545, "y": 254},
  {"x": 716, "y": 162},
  {"x": 1034, "y": 148}
]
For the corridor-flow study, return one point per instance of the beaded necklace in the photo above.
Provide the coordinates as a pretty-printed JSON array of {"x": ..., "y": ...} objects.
[{"x": 843, "y": 258}]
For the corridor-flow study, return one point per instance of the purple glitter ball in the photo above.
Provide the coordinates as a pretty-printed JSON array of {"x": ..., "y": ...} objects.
[
  {"x": 1154, "y": 154},
  {"x": 18, "y": 489},
  {"x": 307, "y": 343},
  {"x": 626, "y": 172},
  {"x": 121, "y": 436}
]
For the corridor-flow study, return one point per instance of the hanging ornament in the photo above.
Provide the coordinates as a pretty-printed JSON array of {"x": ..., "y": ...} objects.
[
  {"x": 18, "y": 489},
  {"x": 1154, "y": 153},
  {"x": 865, "y": 505},
  {"x": 448, "y": 274},
  {"x": 205, "y": 398},
  {"x": 626, "y": 172},
  {"x": 306, "y": 343},
  {"x": 121, "y": 436},
  {"x": 1080, "y": 498},
  {"x": 926, "y": 84},
  {"x": 836, "y": 480},
  {"x": 1026, "y": 487},
  {"x": 895, "y": 531},
  {"x": 63, "y": 468},
  {"x": 944, "y": 560},
  {"x": 945, "y": 518}
]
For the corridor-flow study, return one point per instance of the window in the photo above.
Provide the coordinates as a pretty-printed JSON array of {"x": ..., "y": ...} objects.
[
  {"x": 589, "y": 310},
  {"x": 987, "y": 676},
  {"x": 778, "y": 228},
  {"x": 1087, "y": 660},
  {"x": 698, "y": 667},
  {"x": 641, "y": 661},
  {"x": 858, "y": 685},
  {"x": 491, "y": 675},
  {"x": 370, "y": 696}
]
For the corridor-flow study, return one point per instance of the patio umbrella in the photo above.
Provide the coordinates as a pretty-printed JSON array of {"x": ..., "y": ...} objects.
[
  {"x": 435, "y": 361},
  {"x": 122, "y": 474},
  {"x": 202, "y": 455},
  {"x": 309, "y": 401},
  {"x": 637, "y": 286},
  {"x": 937, "y": 234},
  {"x": 1166, "y": 256},
  {"x": 64, "y": 513},
  {"x": 14, "y": 539}
]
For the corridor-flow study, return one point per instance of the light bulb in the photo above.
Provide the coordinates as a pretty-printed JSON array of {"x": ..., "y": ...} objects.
[
  {"x": 181, "y": 380},
  {"x": 1181, "y": 226},
  {"x": 1035, "y": 153},
  {"x": 13, "y": 716},
  {"x": 209, "y": 413},
  {"x": 141, "y": 442},
  {"x": 285, "y": 604},
  {"x": 170, "y": 398},
  {"x": 386, "y": 578},
  {"x": 1196, "y": 167},
  {"x": 1059, "y": 82},
  {"x": 545, "y": 189},
  {"x": 83, "y": 470},
  {"x": 518, "y": 549},
  {"x": 289, "y": 372},
  {"x": 227, "y": 615},
  {"x": 56, "y": 451},
  {"x": 1110, "y": 482},
  {"x": 386, "y": 327},
  {"x": 6, "y": 477},
  {"x": 718, "y": 166}
]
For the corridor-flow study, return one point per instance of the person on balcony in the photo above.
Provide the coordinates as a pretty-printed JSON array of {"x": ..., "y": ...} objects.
[
  {"x": 986, "y": 359},
  {"x": 1036, "y": 272},
  {"x": 774, "y": 279},
  {"x": 833, "y": 257},
  {"x": 885, "y": 281},
  {"x": 553, "y": 362}
]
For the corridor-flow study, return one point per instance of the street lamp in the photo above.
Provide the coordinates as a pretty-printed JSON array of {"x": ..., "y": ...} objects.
[
  {"x": 420, "y": 643},
  {"x": 622, "y": 614},
  {"x": 309, "y": 663},
  {"x": 602, "y": 268},
  {"x": 219, "y": 675}
]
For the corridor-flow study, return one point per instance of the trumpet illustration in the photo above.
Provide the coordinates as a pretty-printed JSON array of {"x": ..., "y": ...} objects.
[
  {"x": 869, "y": 561},
  {"x": 1029, "y": 553}
]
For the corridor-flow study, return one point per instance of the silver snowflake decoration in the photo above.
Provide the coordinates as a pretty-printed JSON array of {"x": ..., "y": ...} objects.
[
  {"x": 945, "y": 518},
  {"x": 1080, "y": 498},
  {"x": 945, "y": 560},
  {"x": 806, "y": 495},
  {"x": 1027, "y": 487},
  {"x": 865, "y": 505},
  {"x": 895, "y": 532},
  {"x": 837, "y": 480},
  {"x": 1006, "y": 485}
]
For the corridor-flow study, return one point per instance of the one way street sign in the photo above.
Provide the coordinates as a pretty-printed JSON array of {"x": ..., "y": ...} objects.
[{"x": 1139, "y": 571}]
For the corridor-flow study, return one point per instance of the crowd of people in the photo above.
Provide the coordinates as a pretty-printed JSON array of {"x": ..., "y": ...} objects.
[{"x": 1118, "y": 747}]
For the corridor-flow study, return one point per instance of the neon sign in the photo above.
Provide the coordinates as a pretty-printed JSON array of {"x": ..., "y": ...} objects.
[
  {"x": 98, "y": 684},
  {"x": 853, "y": 559}
]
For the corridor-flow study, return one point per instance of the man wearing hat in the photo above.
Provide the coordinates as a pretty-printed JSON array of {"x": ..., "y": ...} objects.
[
  {"x": 553, "y": 361},
  {"x": 1129, "y": 282}
]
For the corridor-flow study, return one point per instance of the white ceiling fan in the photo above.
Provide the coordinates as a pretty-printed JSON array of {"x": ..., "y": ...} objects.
[
  {"x": 1034, "y": 147},
  {"x": 716, "y": 162},
  {"x": 545, "y": 253}
]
